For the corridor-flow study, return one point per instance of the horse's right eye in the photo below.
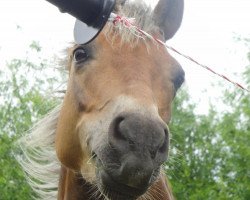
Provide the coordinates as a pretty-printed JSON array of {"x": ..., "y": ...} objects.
[{"x": 80, "y": 55}]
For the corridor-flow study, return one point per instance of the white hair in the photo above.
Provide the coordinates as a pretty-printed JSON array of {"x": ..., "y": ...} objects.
[
  {"x": 39, "y": 159},
  {"x": 140, "y": 15}
]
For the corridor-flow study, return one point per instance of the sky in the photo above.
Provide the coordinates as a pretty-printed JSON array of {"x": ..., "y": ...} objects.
[{"x": 207, "y": 34}]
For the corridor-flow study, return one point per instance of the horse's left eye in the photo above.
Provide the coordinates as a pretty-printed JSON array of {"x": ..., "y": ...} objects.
[{"x": 80, "y": 55}]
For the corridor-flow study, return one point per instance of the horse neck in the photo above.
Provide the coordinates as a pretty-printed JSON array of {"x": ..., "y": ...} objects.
[{"x": 73, "y": 187}]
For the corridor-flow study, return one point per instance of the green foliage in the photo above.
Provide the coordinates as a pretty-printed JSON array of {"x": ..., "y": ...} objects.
[
  {"x": 210, "y": 156},
  {"x": 24, "y": 99}
]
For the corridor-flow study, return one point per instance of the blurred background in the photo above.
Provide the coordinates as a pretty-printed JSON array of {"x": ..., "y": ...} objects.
[{"x": 210, "y": 155}]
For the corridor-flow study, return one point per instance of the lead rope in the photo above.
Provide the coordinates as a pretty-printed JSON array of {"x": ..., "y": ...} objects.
[{"x": 129, "y": 23}]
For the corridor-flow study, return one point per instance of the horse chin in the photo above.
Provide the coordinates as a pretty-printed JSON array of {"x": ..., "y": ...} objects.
[
  {"x": 107, "y": 183},
  {"x": 114, "y": 195},
  {"x": 114, "y": 190}
]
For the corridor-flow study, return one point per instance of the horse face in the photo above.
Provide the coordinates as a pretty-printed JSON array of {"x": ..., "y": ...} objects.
[{"x": 113, "y": 123}]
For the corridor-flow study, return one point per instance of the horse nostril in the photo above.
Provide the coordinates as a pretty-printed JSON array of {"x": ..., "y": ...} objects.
[
  {"x": 164, "y": 147},
  {"x": 117, "y": 132}
]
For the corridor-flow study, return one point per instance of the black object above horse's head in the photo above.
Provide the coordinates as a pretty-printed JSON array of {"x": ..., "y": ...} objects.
[{"x": 91, "y": 16}]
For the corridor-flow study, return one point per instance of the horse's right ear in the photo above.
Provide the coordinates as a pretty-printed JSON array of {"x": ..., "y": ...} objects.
[{"x": 168, "y": 16}]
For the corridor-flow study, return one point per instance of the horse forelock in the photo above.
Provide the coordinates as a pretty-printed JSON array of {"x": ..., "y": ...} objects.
[{"x": 140, "y": 14}]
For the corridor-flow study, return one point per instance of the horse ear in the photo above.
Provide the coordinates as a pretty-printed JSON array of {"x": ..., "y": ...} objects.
[{"x": 168, "y": 16}]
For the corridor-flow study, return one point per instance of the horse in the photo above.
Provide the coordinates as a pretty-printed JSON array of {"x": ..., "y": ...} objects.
[{"x": 110, "y": 138}]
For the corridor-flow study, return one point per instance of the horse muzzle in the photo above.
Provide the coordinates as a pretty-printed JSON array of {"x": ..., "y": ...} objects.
[{"x": 130, "y": 162}]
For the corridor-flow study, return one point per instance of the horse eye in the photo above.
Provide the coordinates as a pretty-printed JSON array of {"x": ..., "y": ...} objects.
[{"x": 80, "y": 55}]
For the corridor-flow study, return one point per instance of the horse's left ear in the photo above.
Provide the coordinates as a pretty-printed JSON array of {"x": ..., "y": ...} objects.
[{"x": 168, "y": 16}]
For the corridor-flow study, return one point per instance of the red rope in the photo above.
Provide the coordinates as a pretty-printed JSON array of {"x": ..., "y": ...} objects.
[{"x": 116, "y": 19}]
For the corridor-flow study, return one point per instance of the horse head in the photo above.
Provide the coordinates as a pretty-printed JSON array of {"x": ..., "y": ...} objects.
[{"x": 112, "y": 130}]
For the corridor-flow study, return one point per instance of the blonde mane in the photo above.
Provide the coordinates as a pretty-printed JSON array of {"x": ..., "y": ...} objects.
[{"x": 39, "y": 159}]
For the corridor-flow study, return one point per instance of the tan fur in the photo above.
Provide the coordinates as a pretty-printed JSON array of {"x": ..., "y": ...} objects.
[{"x": 121, "y": 77}]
